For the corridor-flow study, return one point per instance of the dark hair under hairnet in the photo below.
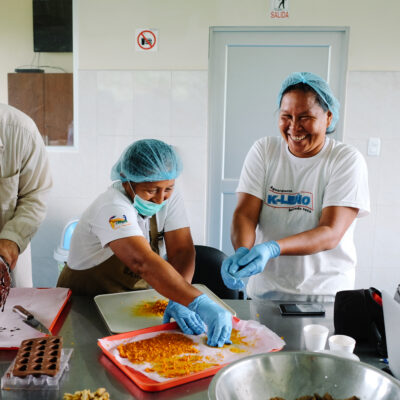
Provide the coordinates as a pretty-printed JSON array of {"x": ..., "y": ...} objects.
[
  {"x": 319, "y": 86},
  {"x": 147, "y": 160}
]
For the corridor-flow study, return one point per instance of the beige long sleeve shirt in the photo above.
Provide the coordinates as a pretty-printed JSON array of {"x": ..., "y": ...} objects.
[{"x": 25, "y": 178}]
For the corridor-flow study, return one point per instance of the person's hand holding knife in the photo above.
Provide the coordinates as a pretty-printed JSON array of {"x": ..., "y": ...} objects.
[{"x": 5, "y": 282}]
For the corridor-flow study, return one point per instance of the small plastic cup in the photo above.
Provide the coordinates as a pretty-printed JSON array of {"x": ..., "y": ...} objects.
[
  {"x": 315, "y": 337},
  {"x": 342, "y": 343}
]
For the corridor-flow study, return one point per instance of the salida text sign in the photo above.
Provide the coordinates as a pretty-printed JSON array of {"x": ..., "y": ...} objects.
[{"x": 279, "y": 9}]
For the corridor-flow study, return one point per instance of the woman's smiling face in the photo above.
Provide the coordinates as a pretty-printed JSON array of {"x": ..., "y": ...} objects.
[{"x": 303, "y": 123}]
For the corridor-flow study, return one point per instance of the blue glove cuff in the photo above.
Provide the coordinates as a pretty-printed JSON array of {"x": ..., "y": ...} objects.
[
  {"x": 195, "y": 303},
  {"x": 241, "y": 251},
  {"x": 275, "y": 248}
]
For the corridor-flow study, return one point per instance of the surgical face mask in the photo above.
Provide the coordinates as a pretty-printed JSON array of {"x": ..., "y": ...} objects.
[{"x": 145, "y": 207}]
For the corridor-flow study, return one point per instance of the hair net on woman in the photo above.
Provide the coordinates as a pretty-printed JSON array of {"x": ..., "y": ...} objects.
[
  {"x": 147, "y": 160},
  {"x": 320, "y": 86}
]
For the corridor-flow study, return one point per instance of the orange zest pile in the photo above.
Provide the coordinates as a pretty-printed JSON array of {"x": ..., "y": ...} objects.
[
  {"x": 150, "y": 308},
  {"x": 237, "y": 341},
  {"x": 171, "y": 355},
  {"x": 237, "y": 338}
]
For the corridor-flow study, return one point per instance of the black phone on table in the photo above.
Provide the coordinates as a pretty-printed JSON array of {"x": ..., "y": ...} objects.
[{"x": 302, "y": 309}]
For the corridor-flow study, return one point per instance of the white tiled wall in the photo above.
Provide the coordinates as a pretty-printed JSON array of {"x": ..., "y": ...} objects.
[
  {"x": 118, "y": 107},
  {"x": 373, "y": 104}
]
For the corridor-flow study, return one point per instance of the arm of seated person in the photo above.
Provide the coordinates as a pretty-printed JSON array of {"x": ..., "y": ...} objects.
[
  {"x": 136, "y": 253},
  {"x": 180, "y": 251}
]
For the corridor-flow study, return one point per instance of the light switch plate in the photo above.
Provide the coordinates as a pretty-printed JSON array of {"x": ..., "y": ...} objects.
[{"x": 374, "y": 146}]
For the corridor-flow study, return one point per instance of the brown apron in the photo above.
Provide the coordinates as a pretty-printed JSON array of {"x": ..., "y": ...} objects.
[{"x": 111, "y": 276}]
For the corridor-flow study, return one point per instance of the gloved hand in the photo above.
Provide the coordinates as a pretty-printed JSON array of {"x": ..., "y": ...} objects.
[
  {"x": 230, "y": 266},
  {"x": 217, "y": 319},
  {"x": 189, "y": 322},
  {"x": 255, "y": 260}
]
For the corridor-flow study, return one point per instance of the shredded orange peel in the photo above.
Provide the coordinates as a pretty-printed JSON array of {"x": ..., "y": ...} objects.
[
  {"x": 174, "y": 355},
  {"x": 171, "y": 355},
  {"x": 150, "y": 308}
]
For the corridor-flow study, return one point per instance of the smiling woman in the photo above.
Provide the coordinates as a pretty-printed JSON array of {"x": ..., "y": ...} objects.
[{"x": 302, "y": 194}]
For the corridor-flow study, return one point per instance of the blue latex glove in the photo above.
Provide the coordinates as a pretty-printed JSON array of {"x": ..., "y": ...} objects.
[
  {"x": 189, "y": 322},
  {"x": 230, "y": 266},
  {"x": 217, "y": 319},
  {"x": 256, "y": 259}
]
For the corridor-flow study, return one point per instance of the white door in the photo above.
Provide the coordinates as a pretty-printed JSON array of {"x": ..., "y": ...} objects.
[{"x": 246, "y": 69}]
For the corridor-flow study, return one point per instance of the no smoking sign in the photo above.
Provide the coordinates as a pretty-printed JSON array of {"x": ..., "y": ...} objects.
[{"x": 146, "y": 40}]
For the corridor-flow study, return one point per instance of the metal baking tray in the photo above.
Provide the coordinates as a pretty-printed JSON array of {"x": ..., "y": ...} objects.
[{"x": 117, "y": 312}]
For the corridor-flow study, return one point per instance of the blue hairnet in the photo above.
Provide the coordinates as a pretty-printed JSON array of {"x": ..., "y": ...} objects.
[
  {"x": 320, "y": 86},
  {"x": 147, "y": 160}
]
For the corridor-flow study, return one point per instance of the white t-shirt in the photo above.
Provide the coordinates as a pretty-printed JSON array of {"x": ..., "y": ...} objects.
[
  {"x": 294, "y": 191},
  {"x": 112, "y": 216}
]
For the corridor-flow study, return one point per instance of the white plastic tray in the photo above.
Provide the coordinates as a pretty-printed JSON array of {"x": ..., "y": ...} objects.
[
  {"x": 11, "y": 382},
  {"x": 117, "y": 308}
]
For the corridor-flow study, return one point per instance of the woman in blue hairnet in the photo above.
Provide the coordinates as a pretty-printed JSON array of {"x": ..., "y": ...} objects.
[
  {"x": 298, "y": 198},
  {"x": 117, "y": 243}
]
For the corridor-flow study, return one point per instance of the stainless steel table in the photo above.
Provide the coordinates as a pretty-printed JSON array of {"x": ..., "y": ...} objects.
[{"x": 90, "y": 369}]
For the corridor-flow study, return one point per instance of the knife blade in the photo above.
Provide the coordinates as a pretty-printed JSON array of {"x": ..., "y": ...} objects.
[{"x": 30, "y": 320}]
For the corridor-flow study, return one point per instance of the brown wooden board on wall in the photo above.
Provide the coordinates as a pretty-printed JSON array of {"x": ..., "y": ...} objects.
[
  {"x": 48, "y": 99},
  {"x": 25, "y": 92}
]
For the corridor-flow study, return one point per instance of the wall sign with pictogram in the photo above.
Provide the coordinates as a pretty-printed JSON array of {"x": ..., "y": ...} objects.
[
  {"x": 279, "y": 9},
  {"x": 146, "y": 40}
]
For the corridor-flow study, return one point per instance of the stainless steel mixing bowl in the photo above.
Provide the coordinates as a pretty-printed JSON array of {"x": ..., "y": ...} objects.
[{"x": 294, "y": 374}]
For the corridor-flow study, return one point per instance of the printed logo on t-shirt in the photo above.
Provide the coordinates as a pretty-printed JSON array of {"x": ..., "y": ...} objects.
[
  {"x": 279, "y": 198},
  {"x": 117, "y": 222}
]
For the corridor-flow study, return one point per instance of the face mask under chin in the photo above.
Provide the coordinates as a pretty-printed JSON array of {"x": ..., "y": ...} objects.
[{"x": 147, "y": 208}]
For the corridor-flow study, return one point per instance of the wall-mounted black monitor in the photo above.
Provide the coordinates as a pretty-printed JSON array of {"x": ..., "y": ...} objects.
[{"x": 52, "y": 26}]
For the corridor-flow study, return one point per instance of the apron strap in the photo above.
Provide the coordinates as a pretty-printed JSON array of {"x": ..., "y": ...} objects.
[{"x": 155, "y": 235}]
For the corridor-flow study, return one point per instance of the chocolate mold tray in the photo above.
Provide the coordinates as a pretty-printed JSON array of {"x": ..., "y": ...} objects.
[
  {"x": 39, "y": 356},
  {"x": 31, "y": 382}
]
